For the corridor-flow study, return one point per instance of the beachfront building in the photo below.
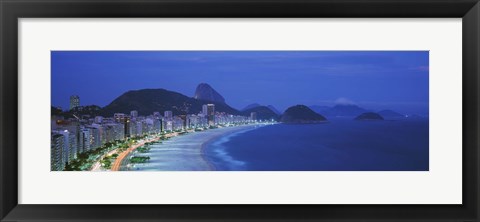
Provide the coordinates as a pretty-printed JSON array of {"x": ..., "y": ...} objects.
[
  {"x": 56, "y": 152},
  {"x": 157, "y": 125},
  {"x": 69, "y": 151},
  {"x": 139, "y": 128},
  {"x": 114, "y": 131},
  {"x": 192, "y": 121},
  {"x": 253, "y": 116},
  {"x": 73, "y": 135},
  {"x": 168, "y": 125},
  {"x": 178, "y": 123},
  {"x": 208, "y": 110},
  {"x": 86, "y": 140},
  {"x": 123, "y": 119},
  {"x": 95, "y": 138},
  {"x": 133, "y": 129}
]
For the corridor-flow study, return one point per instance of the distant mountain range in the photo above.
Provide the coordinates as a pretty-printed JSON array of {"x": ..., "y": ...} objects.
[
  {"x": 350, "y": 110},
  {"x": 147, "y": 101}
]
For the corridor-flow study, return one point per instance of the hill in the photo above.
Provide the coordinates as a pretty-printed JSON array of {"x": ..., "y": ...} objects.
[
  {"x": 263, "y": 113},
  {"x": 369, "y": 116},
  {"x": 390, "y": 114},
  {"x": 301, "y": 114},
  {"x": 275, "y": 110},
  {"x": 253, "y": 105},
  {"x": 147, "y": 101}
]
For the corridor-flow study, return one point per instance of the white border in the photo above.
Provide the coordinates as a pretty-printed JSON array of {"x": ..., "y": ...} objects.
[{"x": 441, "y": 185}]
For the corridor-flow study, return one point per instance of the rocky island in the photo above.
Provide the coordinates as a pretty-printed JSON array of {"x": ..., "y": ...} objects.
[
  {"x": 369, "y": 116},
  {"x": 301, "y": 114}
]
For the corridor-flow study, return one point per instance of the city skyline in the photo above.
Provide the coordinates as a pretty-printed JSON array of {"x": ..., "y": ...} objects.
[{"x": 313, "y": 77}]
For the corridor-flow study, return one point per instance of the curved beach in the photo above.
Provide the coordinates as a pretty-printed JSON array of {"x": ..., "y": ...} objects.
[{"x": 185, "y": 152}]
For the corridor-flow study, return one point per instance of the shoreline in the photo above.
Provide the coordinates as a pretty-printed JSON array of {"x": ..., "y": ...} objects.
[
  {"x": 212, "y": 139},
  {"x": 185, "y": 152}
]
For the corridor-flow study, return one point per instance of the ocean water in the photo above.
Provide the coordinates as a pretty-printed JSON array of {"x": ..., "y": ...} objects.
[{"x": 339, "y": 145}]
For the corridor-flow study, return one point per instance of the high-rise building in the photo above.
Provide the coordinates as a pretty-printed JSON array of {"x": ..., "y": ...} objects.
[
  {"x": 139, "y": 128},
  {"x": 95, "y": 137},
  {"x": 210, "y": 113},
  {"x": 70, "y": 146},
  {"x": 87, "y": 140},
  {"x": 57, "y": 146},
  {"x": 74, "y": 101},
  {"x": 168, "y": 125},
  {"x": 253, "y": 116},
  {"x": 133, "y": 128},
  {"x": 125, "y": 121}
]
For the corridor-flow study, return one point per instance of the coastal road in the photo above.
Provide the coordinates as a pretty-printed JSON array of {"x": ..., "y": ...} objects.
[
  {"x": 118, "y": 162},
  {"x": 97, "y": 165}
]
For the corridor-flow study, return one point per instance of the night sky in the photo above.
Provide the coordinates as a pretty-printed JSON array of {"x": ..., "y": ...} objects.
[{"x": 396, "y": 80}]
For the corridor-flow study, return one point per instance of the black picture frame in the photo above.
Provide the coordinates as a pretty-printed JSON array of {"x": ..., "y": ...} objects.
[{"x": 12, "y": 10}]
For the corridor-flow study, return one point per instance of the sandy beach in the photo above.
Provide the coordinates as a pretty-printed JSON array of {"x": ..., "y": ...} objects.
[{"x": 183, "y": 153}]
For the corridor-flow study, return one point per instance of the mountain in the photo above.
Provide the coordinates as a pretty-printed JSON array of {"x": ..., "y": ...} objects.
[
  {"x": 263, "y": 113},
  {"x": 275, "y": 110},
  {"x": 369, "y": 116},
  {"x": 301, "y": 114},
  {"x": 344, "y": 110},
  {"x": 253, "y": 105},
  {"x": 271, "y": 107},
  {"x": 390, "y": 114},
  {"x": 147, "y": 101},
  {"x": 206, "y": 92}
]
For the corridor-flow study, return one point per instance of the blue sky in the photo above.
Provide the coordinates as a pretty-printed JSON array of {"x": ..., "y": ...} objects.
[{"x": 375, "y": 80}]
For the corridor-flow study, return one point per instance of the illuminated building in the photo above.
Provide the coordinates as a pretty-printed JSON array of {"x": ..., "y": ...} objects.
[
  {"x": 253, "y": 116},
  {"x": 210, "y": 114},
  {"x": 57, "y": 144}
]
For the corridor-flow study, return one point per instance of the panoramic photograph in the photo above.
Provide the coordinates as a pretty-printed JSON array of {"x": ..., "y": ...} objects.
[{"x": 239, "y": 111}]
